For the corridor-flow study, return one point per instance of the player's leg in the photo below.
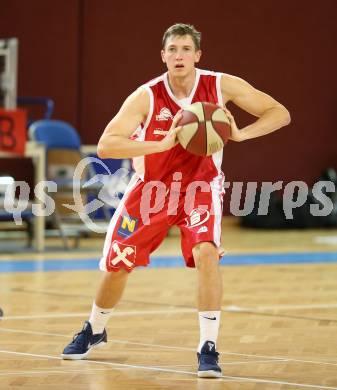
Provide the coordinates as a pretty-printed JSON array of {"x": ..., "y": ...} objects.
[
  {"x": 93, "y": 334},
  {"x": 111, "y": 288},
  {"x": 112, "y": 284},
  {"x": 128, "y": 244},
  {"x": 109, "y": 293},
  {"x": 201, "y": 231},
  {"x": 206, "y": 257},
  {"x": 209, "y": 297}
]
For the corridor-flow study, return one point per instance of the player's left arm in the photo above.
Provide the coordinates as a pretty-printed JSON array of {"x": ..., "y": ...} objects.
[{"x": 272, "y": 114}]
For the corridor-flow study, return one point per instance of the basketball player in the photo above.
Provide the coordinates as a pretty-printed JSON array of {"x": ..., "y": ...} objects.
[{"x": 145, "y": 129}]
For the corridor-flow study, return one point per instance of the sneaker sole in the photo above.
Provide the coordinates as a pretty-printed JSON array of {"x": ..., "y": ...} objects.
[
  {"x": 209, "y": 374},
  {"x": 83, "y": 355}
]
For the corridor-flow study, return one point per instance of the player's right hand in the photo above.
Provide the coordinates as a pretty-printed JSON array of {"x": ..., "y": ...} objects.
[{"x": 171, "y": 138}]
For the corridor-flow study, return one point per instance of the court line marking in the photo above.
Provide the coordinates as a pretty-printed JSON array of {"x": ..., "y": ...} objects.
[
  {"x": 228, "y": 363},
  {"x": 114, "y": 314},
  {"x": 169, "y": 261},
  {"x": 225, "y": 308},
  {"x": 223, "y": 352},
  {"x": 40, "y": 316},
  {"x": 89, "y": 371},
  {"x": 276, "y": 313},
  {"x": 94, "y": 370},
  {"x": 230, "y": 309},
  {"x": 151, "y": 368},
  {"x": 234, "y": 308},
  {"x": 72, "y": 295},
  {"x": 276, "y": 358},
  {"x": 117, "y": 365},
  {"x": 49, "y": 371}
]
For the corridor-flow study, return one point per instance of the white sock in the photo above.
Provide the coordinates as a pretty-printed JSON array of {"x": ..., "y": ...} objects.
[
  {"x": 99, "y": 317},
  {"x": 209, "y": 322}
]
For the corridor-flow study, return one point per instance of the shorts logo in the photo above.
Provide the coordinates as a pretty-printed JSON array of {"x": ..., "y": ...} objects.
[
  {"x": 197, "y": 217},
  {"x": 125, "y": 255},
  {"x": 128, "y": 226},
  {"x": 164, "y": 115}
]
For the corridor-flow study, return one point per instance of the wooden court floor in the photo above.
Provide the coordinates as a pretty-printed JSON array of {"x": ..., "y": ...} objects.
[{"x": 278, "y": 328}]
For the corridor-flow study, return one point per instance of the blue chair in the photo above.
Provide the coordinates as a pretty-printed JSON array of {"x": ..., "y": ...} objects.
[
  {"x": 58, "y": 137},
  {"x": 55, "y": 134}
]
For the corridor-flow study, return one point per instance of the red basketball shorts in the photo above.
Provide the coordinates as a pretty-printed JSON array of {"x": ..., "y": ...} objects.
[{"x": 146, "y": 213}]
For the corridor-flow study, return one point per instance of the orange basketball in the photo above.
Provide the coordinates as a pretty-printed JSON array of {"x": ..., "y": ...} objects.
[{"x": 206, "y": 128}]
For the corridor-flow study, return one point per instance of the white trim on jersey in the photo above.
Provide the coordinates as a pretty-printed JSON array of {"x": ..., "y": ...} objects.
[
  {"x": 139, "y": 162},
  {"x": 149, "y": 116},
  {"x": 191, "y": 96},
  {"x": 205, "y": 72},
  {"x": 217, "y": 157},
  {"x": 218, "y": 88},
  {"x": 217, "y": 194},
  {"x": 107, "y": 244},
  {"x": 154, "y": 81},
  {"x": 217, "y": 160}
]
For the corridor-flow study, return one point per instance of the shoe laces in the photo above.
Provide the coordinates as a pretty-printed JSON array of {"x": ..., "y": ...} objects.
[
  {"x": 209, "y": 356},
  {"x": 82, "y": 336}
]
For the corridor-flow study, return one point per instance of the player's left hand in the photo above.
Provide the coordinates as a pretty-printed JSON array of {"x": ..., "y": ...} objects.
[{"x": 236, "y": 135}]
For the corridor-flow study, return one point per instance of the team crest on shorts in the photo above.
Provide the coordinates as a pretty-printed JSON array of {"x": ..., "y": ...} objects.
[
  {"x": 197, "y": 217},
  {"x": 121, "y": 256},
  {"x": 127, "y": 226}
]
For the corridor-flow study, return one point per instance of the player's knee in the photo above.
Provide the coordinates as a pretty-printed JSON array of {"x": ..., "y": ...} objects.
[
  {"x": 206, "y": 256},
  {"x": 117, "y": 275}
]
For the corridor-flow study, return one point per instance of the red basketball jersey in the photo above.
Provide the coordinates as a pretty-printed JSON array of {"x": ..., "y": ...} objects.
[{"x": 163, "y": 107}]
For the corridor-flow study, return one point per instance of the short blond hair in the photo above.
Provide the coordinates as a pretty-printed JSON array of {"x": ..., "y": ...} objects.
[{"x": 181, "y": 29}]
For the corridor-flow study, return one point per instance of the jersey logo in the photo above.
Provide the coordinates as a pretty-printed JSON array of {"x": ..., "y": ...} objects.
[
  {"x": 123, "y": 254},
  {"x": 164, "y": 115},
  {"x": 160, "y": 132},
  {"x": 127, "y": 226},
  {"x": 197, "y": 217}
]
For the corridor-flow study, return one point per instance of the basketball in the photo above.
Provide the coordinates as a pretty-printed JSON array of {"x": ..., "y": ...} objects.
[{"x": 206, "y": 128}]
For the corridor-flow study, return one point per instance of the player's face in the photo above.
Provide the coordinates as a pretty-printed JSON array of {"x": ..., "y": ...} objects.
[{"x": 180, "y": 55}]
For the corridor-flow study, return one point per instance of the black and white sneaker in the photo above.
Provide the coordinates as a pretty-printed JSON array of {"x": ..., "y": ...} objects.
[
  {"x": 83, "y": 343},
  {"x": 208, "y": 361}
]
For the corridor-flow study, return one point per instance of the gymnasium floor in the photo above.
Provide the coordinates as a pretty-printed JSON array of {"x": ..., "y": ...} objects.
[{"x": 278, "y": 329}]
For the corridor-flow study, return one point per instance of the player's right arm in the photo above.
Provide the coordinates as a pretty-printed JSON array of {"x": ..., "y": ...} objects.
[{"x": 115, "y": 142}]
